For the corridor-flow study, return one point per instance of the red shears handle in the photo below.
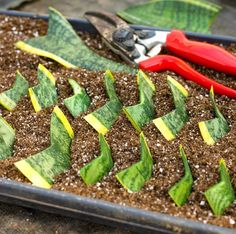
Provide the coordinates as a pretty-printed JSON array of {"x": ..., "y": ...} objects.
[
  {"x": 168, "y": 62},
  {"x": 202, "y": 53}
]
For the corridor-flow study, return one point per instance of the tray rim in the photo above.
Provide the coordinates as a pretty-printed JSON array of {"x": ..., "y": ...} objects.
[{"x": 101, "y": 211}]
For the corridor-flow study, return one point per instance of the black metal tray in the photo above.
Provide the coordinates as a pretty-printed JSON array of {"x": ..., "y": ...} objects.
[{"x": 98, "y": 210}]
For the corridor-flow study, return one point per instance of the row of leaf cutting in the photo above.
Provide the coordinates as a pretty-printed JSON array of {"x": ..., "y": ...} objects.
[{"x": 42, "y": 167}]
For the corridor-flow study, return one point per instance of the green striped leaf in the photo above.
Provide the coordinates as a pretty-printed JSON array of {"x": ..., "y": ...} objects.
[
  {"x": 103, "y": 118},
  {"x": 42, "y": 167},
  {"x": 11, "y": 97},
  {"x": 44, "y": 94},
  {"x": 94, "y": 171},
  {"x": 134, "y": 177},
  {"x": 182, "y": 189},
  {"x": 144, "y": 112},
  {"x": 79, "y": 102},
  {"x": 191, "y": 15},
  {"x": 172, "y": 123},
  {"x": 221, "y": 195},
  {"x": 7, "y": 138},
  {"x": 63, "y": 45},
  {"x": 214, "y": 129}
]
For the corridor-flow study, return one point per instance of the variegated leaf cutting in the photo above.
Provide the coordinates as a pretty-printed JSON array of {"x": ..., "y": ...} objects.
[
  {"x": 182, "y": 189},
  {"x": 42, "y": 167},
  {"x": 94, "y": 171},
  {"x": 7, "y": 138},
  {"x": 11, "y": 97},
  {"x": 220, "y": 196},
  {"x": 79, "y": 102},
  {"x": 134, "y": 177},
  {"x": 103, "y": 118},
  {"x": 172, "y": 123},
  {"x": 44, "y": 94},
  {"x": 144, "y": 112},
  {"x": 214, "y": 129},
  {"x": 63, "y": 45}
]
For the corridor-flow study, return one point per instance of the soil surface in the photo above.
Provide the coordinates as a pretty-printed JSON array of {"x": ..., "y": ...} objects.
[{"x": 32, "y": 130}]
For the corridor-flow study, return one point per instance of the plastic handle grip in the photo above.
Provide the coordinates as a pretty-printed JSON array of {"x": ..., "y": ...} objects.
[
  {"x": 168, "y": 62},
  {"x": 202, "y": 53}
]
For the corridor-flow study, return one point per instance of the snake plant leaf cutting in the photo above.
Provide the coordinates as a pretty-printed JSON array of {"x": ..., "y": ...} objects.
[
  {"x": 221, "y": 195},
  {"x": 7, "y": 138},
  {"x": 79, "y": 102},
  {"x": 63, "y": 45},
  {"x": 44, "y": 94},
  {"x": 182, "y": 189},
  {"x": 11, "y": 97},
  {"x": 134, "y": 177},
  {"x": 213, "y": 130},
  {"x": 94, "y": 171},
  {"x": 171, "y": 124},
  {"x": 173, "y": 14},
  {"x": 103, "y": 118},
  {"x": 144, "y": 112},
  {"x": 42, "y": 167}
]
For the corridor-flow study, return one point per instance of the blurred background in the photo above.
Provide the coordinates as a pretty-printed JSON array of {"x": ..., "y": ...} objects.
[{"x": 15, "y": 220}]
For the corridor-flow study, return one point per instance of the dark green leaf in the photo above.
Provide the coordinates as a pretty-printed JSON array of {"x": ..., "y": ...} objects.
[
  {"x": 221, "y": 195},
  {"x": 134, "y": 177},
  {"x": 191, "y": 15},
  {"x": 79, "y": 102},
  {"x": 182, "y": 189},
  {"x": 94, "y": 171}
]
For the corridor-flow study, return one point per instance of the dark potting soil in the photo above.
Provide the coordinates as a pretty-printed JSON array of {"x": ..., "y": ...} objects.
[{"x": 32, "y": 130}]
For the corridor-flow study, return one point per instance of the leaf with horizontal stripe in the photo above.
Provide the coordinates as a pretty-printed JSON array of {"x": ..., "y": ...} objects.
[
  {"x": 7, "y": 138},
  {"x": 63, "y": 45},
  {"x": 43, "y": 167},
  {"x": 44, "y": 94},
  {"x": 11, "y": 97},
  {"x": 103, "y": 118},
  {"x": 213, "y": 130},
  {"x": 172, "y": 123},
  {"x": 144, "y": 112}
]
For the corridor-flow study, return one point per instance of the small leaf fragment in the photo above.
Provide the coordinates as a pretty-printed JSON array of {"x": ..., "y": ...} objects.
[
  {"x": 94, "y": 171},
  {"x": 62, "y": 44},
  {"x": 42, "y": 167},
  {"x": 182, "y": 189},
  {"x": 103, "y": 118},
  {"x": 7, "y": 138},
  {"x": 11, "y": 97},
  {"x": 220, "y": 196},
  {"x": 144, "y": 112},
  {"x": 213, "y": 130},
  {"x": 44, "y": 94},
  {"x": 134, "y": 177},
  {"x": 79, "y": 102},
  {"x": 172, "y": 123}
]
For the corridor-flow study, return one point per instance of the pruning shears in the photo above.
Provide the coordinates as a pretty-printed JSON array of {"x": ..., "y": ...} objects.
[{"x": 141, "y": 49}]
